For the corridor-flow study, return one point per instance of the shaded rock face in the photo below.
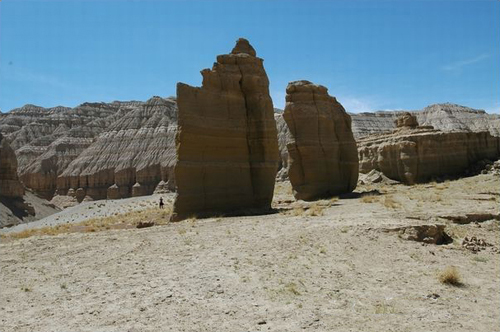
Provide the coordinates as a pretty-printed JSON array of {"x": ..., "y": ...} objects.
[
  {"x": 227, "y": 145},
  {"x": 323, "y": 156},
  {"x": 47, "y": 140},
  {"x": 284, "y": 136},
  {"x": 10, "y": 186},
  {"x": 12, "y": 205},
  {"x": 420, "y": 155}
]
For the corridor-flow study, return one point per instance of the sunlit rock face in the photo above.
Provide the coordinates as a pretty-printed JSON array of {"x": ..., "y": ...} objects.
[
  {"x": 130, "y": 158},
  {"x": 323, "y": 159},
  {"x": 422, "y": 154},
  {"x": 227, "y": 146}
]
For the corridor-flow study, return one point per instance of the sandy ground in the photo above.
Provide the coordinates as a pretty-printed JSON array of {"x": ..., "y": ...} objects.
[
  {"x": 93, "y": 209},
  {"x": 325, "y": 266}
]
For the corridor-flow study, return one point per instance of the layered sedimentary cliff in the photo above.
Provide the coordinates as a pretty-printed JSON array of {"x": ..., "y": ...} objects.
[
  {"x": 47, "y": 140},
  {"x": 322, "y": 152},
  {"x": 418, "y": 155},
  {"x": 445, "y": 117},
  {"x": 48, "y": 143},
  {"x": 130, "y": 158},
  {"x": 227, "y": 143}
]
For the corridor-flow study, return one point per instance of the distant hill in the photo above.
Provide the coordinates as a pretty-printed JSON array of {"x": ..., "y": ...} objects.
[{"x": 446, "y": 117}]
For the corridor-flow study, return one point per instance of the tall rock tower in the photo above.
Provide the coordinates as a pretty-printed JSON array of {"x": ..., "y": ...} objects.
[
  {"x": 227, "y": 145},
  {"x": 323, "y": 154}
]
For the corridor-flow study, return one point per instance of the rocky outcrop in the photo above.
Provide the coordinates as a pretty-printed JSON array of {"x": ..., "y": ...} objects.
[
  {"x": 431, "y": 234},
  {"x": 94, "y": 146},
  {"x": 284, "y": 136},
  {"x": 10, "y": 186},
  {"x": 227, "y": 146},
  {"x": 446, "y": 117},
  {"x": 419, "y": 155},
  {"x": 406, "y": 120},
  {"x": 322, "y": 152},
  {"x": 452, "y": 117},
  {"x": 13, "y": 207},
  {"x": 130, "y": 157},
  {"x": 47, "y": 140}
]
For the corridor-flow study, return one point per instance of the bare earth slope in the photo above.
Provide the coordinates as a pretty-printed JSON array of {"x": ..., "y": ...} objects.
[{"x": 330, "y": 265}]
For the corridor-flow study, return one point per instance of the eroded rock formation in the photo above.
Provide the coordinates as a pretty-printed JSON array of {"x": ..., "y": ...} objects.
[
  {"x": 322, "y": 152},
  {"x": 46, "y": 141},
  {"x": 130, "y": 158},
  {"x": 421, "y": 154},
  {"x": 10, "y": 186},
  {"x": 406, "y": 120},
  {"x": 446, "y": 117},
  {"x": 227, "y": 146},
  {"x": 13, "y": 208}
]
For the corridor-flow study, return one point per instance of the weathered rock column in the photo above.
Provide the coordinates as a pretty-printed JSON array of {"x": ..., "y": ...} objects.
[
  {"x": 322, "y": 152},
  {"x": 227, "y": 145},
  {"x": 10, "y": 186}
]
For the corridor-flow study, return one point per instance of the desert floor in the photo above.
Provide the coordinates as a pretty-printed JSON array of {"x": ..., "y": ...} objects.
[{"x": 331, "y": 265}]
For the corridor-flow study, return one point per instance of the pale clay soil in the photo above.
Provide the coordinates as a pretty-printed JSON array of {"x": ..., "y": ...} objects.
[{"x": 293, "y": 270}]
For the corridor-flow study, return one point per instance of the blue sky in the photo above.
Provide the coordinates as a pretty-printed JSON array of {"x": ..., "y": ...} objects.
[{"x": 372, "y": 55}]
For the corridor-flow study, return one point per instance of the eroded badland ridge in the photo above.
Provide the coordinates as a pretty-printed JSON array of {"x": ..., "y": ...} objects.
[{"x": 307, "y": 219}]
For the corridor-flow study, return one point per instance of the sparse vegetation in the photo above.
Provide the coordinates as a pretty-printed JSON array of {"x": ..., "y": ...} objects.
[
  {"x": 119, "y": 221},
  {"x": 315, "y": 210},
  {"x": 384, "y": 308},
  {"x": 450, "y": 276},
  {"x": 370, "y": 198},
  {"x": 480, "y": 259},
  {"x": 291, "y": 287},
  {"x": 390, "y": 202}
]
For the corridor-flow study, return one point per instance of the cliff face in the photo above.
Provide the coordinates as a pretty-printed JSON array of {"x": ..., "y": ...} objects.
[
  {"x": 323, "y": 155},
  {"x": 130, "y": 157},
  {"x": 445, "y": 117},
  {"x": 227, "y": 143},
  {"x": 13, "y": 207},
  {"x": 10, "y": 186},
  {"x": 47, "y": 140},
  {"x": 419, "y": 155}
]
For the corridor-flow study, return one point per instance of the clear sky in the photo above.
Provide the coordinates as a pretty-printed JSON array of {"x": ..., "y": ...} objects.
[{"x": 372, "y": 55}]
